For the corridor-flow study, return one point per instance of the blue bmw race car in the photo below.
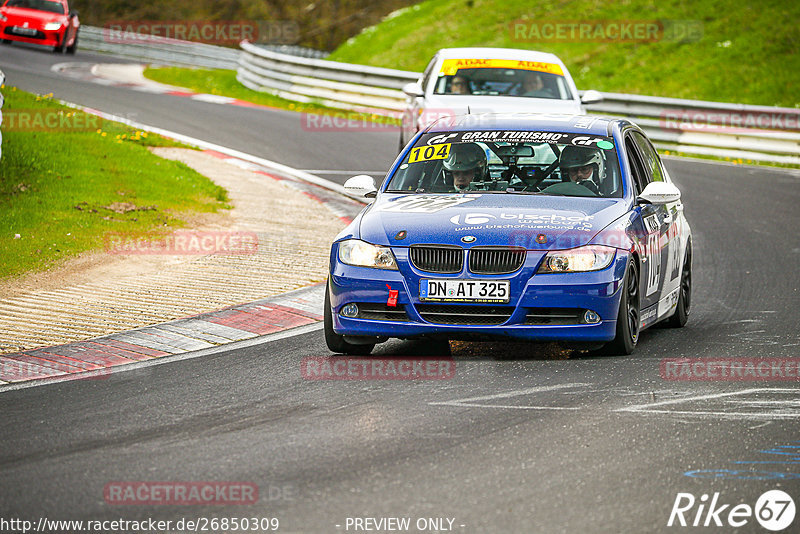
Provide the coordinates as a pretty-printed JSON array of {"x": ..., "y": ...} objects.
[{"x": 538, "y": 227}]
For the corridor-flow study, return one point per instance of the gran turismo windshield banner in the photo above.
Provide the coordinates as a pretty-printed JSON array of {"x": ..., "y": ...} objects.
[{"x": 517, "y": 136}]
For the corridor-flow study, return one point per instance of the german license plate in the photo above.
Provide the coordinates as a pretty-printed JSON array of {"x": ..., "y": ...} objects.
[
  {"x": 23, "y": 31},
  {"x": 464, "y": 290}
]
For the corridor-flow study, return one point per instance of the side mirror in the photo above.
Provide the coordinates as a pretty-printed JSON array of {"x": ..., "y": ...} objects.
[
  {"x": 659, "y": 193},
  {"x": 361, "y": 185},
  {"x": 591, "y": 97},
  {"x": 413, "y": 89}
]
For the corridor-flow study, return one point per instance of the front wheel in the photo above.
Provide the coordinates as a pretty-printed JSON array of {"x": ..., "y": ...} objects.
[
  {"x": 336, "y": 342},
  {"x": 628, "y": 316},
  {"x": 72, "y": 48},
  {"x": 681, "y": 314}
]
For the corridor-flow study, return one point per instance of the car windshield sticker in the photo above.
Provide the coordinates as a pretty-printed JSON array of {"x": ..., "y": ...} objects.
[
  {"x": 427, "y": 203},
  {"x": 426, "y": 153},
  {"x": 452, "y": 66},
  {"x": 513, "y": 136}
]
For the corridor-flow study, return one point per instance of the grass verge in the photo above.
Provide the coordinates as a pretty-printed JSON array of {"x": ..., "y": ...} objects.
[{"x": 68, "y": 179}]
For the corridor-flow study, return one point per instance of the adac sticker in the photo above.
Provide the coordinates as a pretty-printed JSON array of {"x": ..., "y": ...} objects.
[{"x": 452, "y": 66}]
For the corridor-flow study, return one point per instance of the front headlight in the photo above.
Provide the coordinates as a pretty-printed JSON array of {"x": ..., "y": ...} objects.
[
  {"x": 51, "y": 26},
  {"x": 581, "y": 259},
  {"x": 362, "y": 254}
]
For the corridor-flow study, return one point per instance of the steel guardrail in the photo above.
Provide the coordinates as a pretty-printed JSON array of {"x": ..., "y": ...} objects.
[
  {"x": 695, "y": 127},
  {"x": 157, "y": 49},
  {"x": 339, "y": 85}
]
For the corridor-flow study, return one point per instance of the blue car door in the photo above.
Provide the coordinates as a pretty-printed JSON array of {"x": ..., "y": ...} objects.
[
  {"x": 669, "y": 235},
  {"x": 650, "y": 226}
]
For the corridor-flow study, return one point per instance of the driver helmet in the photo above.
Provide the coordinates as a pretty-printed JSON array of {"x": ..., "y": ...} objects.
[
  {"x": 578, "y": 156},
  {"x": 465, "y": 157}
]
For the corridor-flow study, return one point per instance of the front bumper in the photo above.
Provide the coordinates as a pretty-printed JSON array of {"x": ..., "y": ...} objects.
[
  {"x": 597, "y": 291},
  {"x": 42, "y": 37}
]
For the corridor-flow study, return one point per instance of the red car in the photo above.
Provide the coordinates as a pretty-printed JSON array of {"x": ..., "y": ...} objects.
[{"x": 44, "y": 22}]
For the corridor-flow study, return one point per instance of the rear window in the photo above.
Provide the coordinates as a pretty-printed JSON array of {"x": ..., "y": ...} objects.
[{"x": 511, "y": 162}]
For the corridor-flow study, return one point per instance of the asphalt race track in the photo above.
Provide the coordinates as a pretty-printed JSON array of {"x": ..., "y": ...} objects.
[{"x": 517, "y": 441}]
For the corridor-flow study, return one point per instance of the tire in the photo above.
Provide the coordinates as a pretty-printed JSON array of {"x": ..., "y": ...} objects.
[
  {"x": 628, "y": 316},
  {"x": 336, "y": 342},
  {"x": 681, "y": 314},
  {"x": 71, "y": 49},
  {"x": 59, "y": 48},
  {"x": 6, "y": 41}
]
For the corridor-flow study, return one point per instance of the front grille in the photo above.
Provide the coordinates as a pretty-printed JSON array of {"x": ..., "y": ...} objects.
[
  {"x": 474, "y": 315},
  {"x": 381, "y": 312},
  {"x": 554, "y": 316},
  {"x": 495, "y": 260},
  {"x": 38, "y": 35},
  {"x": 437, "y": 258}
]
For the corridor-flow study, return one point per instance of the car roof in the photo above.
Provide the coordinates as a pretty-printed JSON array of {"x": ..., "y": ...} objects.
[
  {"x": 589, "y": 124},
  {"x": 498, "y": 53}
]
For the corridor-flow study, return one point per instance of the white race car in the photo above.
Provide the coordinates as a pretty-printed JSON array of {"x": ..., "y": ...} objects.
[{"x": 461, "y": 81}]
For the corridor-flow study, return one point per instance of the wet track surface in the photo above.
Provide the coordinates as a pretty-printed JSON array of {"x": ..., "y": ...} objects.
[{"x": 518, "y": 440}]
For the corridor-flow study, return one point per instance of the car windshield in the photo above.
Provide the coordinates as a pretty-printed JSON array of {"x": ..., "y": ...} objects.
[
  {"x": 502, "y": 78},
  {"x": 511, "y": 162},
  {"x": 38, "y": 5}
]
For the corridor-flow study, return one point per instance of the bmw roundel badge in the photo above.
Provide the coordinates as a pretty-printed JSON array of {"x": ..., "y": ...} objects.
[{"x": 468, "y": 239}]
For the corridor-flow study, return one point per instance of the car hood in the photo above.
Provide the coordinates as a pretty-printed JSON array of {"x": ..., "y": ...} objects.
[
  {"x": 35, "y": 18},
  {"x": 463, "y": 104},
  {"x": 536, "y": 222}
]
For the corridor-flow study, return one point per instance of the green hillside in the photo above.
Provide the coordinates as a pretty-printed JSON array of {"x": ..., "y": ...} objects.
[
  {"x": 321, "y": 24},
  {"x": 747, "y": 51}
]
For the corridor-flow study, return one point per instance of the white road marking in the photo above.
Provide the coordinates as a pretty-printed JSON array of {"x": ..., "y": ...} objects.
[
  {"x": 213, "y": 99},
  {"x": 789, "y": 404},
  {"x": 472, "y": 401},
  {"x": 330, "y": 171}
]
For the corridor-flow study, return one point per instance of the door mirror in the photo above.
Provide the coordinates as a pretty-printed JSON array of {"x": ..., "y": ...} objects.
[
  {"x": 413, "y": 89},
  {"x": 591, "y": 97},
  {"x": 362, "y": 186},
  {"x": 659, "y": 193}
]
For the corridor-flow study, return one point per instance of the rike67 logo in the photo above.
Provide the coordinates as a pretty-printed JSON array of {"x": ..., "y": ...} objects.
[{"x": 774, "y": 510}]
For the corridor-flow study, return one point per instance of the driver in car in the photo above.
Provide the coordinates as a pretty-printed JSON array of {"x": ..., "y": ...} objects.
[
  {"x": 467, "y": 163},
  {"x": 583, "y": 166}
]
